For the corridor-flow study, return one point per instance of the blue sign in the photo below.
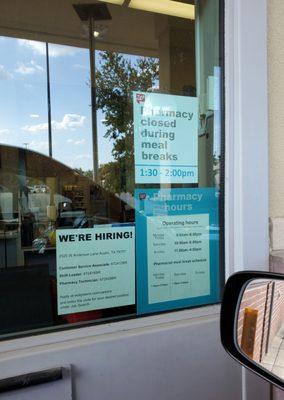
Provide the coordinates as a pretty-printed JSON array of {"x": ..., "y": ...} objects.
[
  {"x": 165, "y": 138},
  {"x": 177, "y": 248}
]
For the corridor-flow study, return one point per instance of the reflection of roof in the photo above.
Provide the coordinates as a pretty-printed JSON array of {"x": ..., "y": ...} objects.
[
  {"x": 28, "y": 163},
  {"x": 40, "y": 165}
]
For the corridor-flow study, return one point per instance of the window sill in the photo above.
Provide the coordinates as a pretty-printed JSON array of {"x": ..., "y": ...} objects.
[{"x": 89, "y": 334}]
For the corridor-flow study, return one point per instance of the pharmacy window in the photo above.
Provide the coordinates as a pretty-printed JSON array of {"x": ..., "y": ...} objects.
[{"x": 111, "y": 160}]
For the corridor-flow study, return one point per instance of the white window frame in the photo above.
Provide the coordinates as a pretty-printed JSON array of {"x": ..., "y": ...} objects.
[{"x": 247, "y": 179}]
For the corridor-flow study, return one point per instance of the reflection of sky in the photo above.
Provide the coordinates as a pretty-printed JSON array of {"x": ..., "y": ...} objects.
[{"x": 23, "y": 102}]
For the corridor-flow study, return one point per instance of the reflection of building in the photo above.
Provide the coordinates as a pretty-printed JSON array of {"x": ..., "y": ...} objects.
[
  {"x": 261, "y": 315},
  {"x": 38, "y": 192}
]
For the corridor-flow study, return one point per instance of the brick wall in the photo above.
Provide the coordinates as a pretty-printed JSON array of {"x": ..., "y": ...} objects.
[
  {"x": 267, "y": 297},
  {"x": 277, "y": 316},
  {"x": 277, "y": 265},
  {"x": 255, "y": 297}
]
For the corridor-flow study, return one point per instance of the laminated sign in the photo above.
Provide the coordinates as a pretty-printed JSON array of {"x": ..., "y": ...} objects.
[
  {"x": 177, "y": 263},
  {"x": 95, "y": 268},
  {"x": 165, "y": 138}
]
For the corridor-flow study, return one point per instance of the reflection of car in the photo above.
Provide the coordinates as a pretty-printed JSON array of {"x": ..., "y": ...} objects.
[
  {"x": 38, "y": 189},
  {"x": 43, "y": 188}
]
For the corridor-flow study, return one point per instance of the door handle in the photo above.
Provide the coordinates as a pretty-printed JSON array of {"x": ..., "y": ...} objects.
[{"x": 31, "y": 379}]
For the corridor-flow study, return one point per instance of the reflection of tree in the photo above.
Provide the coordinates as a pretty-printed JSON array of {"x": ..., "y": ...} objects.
[
  {"x": 109, "y": 176},
  {"x": 88, "y": 173},
  {"x": 116, "y": 78}
]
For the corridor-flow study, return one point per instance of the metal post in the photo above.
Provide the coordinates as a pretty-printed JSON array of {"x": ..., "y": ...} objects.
[
  {"x": 48, "y": 102},
  {"x": 93, "y": 97}
]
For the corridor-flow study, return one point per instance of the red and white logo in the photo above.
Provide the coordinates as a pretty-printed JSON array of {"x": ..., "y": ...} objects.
[
  {"x": 142, "y": 196},
  {"x": 140, "y": 98}
]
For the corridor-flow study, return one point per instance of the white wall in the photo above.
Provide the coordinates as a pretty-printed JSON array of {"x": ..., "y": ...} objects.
[
  {"x": 170, "y": 357},
  {"x": 276, "y": 104},
  {"x": 183, "y": 360}
]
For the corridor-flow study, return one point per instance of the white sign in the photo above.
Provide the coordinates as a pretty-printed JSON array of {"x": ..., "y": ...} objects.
[
  {"x": 165, "y": 138},
  {"x": 178, "y": 257},
  {"x": 95, "y": 268}
]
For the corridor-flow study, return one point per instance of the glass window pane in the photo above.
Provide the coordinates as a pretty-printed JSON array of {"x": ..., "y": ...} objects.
[
  {"x": 23, "y": 94},
  {"x": 70, "y": 106},
  {"x": 111, "y": 149}
]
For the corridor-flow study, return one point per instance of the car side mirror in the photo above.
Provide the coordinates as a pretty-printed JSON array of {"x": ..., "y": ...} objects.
[{"x": 252, "y": 323}]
